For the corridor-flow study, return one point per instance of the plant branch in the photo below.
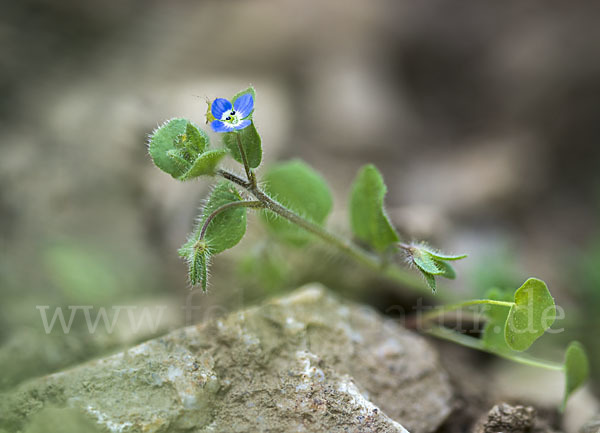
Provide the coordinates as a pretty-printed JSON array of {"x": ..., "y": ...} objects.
[
  {"x": 391, "y": 271},
  {"x": 233, "y": 204},
  {"x": 233, "y": 178},
  {"x": 477, "y": 344}
]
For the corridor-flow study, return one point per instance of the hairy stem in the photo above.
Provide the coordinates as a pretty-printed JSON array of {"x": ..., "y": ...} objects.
[
  {"x": 233, "y": 178},
  {"x": 391, "y": 271},
  {"x": 477, "y": 344},
  {"x": 234, "y": 204}
]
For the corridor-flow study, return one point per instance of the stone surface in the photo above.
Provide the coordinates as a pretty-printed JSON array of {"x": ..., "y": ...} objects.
[
  {"x": 512, "y": 419},
  {"x": 592, "y": 426},
  {"x": 305, "y": 362}
]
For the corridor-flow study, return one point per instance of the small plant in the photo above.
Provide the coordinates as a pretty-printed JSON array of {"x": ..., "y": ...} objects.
[{"x": 294, "y": 201}]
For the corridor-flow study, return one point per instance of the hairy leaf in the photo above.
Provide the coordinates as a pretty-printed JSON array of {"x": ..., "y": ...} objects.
[
  {"x": 367, "y": 216},
  {"x": 205, "y": 164},
  {"x": 439, "y": 255},
  {"x": 224, "y": 231},
  {"x": 425, "y": 262},
  {"x": 430, "y": 280},
  {"x": 179, "y": 148}
]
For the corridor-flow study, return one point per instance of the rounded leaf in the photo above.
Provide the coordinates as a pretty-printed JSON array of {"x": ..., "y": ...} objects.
[
  {"x": 534, "y": 311},
  {"x": 178, "y": 147},
  {"x": 228, "y": 227},
  {"x": 496, "y": 315},
  {"x": 301, "y": 189},
  {"x": 576, "y": 369}
]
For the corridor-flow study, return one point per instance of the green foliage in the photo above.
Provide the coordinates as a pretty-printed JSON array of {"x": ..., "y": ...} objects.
[
  {"x": 302, "y": 190},
  {"x": 250, "y": 141},
  {"x": 180, "y": 148},
  {"x": 493, "y": 332},
  {"x": 447, "y": 269},
  {"x": 431, "y": 263},
  {"x": 205, "y": 164},
  {"x": 425, "y": 262},
  {"x": 533, "y": 312},
  {"x": 224, "y": 231},
  {"x": 439, "y": 256},
  {"x": 368, "y": 219},
  {"x": 576, "y": 369},
  {"x": 296, "y": 202}
]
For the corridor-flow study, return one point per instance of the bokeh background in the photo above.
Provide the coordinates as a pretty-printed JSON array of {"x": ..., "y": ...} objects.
[{"x": 482, "y": 116}]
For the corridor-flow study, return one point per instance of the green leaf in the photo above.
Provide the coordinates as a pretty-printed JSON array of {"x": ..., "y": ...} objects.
[
  {"x": 163, "y": 140},
  {"x": 229, "y": 226},
  {"x": 205, "y": 164},
  {"x": 446, "y": 268},
  {"x": 301, "y": 189},
  {"x": 251, "y": 142},
  {"x": 493, "y": 332},
  {"x": 180, "y": 148},
  {"x": 439, "y": 255},
  {"x": 430, "y": 280},
  {"x": 533, "y": 312},
  {"x": 367, "y": 216},
  {"x": 576, "y": 370},
  {"x": 225, "y": 230},
  {"x": 196, "y": 253},
  {"x": 425, "y": 262},
  {"x": 197, "y": 140}
]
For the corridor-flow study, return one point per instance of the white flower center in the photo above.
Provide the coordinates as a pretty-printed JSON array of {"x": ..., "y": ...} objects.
[{"x": 231, "y": 118}]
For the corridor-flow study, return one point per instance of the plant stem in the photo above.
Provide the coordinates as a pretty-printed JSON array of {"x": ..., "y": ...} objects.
[
  {"x": 477, "y": 344},
  {"x": 391, "y": 271},
  {"x": 445, "y": 308},
  {"x": 372, "y": 261},
  {"x": 233, "y": 178},
  {"x": 226, "y": 206},
  {"x": 249, "y": 173}
]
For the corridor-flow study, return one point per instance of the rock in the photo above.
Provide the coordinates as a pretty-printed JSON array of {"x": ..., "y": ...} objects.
[
  {"x": 511, "y": 419},
  {"x": 305, "y": 362},
  {"x": 592, "y": 426}
]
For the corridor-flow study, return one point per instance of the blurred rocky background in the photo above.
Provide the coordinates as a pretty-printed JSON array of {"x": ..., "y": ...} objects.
[{"x": 482, "y": 116}]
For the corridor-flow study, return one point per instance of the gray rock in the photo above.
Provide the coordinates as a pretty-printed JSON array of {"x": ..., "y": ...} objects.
[
  {"x": 306, "y": 362},
  {"x": 592, "y": 426},
  {"x": 513, "y": 419}
]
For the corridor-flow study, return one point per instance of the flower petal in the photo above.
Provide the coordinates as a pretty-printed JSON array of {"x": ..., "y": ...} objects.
[
  {"x": 243, "y": 124},
  {"x": 220, "y": 106},
  {"x": 243, "y": 105},
  {"x": 220, "y": 126}
]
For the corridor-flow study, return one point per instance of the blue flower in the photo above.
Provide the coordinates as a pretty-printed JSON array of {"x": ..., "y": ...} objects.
[{"x": 232, "y": 117}]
